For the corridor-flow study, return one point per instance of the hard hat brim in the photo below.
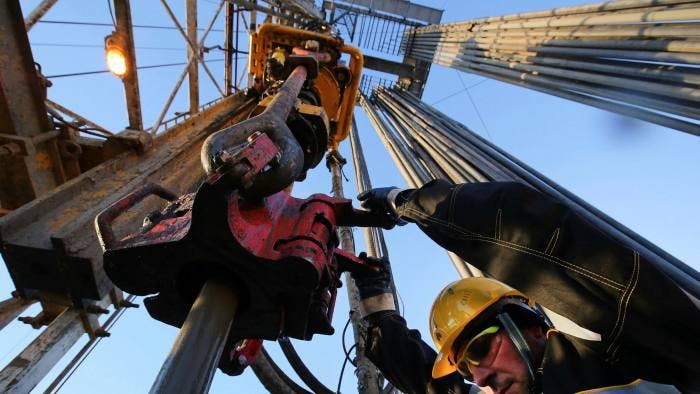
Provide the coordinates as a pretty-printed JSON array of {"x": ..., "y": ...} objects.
[{"x": 442, "y": 366}]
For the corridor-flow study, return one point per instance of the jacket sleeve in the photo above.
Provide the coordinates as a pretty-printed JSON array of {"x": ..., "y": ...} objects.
[
  {"x": 539, "y": 246},
  {"x": 404, "y": 359}
]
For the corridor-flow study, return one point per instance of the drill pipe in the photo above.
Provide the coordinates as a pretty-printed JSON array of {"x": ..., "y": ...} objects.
[
  {"x": 636, "y": 58},
  {"x": 685, "y": 276},
  {"x": 193, "y": 359},
  {"x": 413, "y": 170}
]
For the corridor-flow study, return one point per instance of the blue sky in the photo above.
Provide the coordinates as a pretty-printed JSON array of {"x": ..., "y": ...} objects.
[{"x": 643, "y": 175}]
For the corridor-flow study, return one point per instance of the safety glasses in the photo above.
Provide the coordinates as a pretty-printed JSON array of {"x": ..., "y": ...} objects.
[{"x": 476, "y": 349}]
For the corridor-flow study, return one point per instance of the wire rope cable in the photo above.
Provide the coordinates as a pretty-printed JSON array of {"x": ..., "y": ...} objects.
[{"x": 76, "y": 74}]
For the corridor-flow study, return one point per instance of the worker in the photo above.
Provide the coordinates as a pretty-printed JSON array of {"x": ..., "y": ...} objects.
[{"x": 494, "y": 335}]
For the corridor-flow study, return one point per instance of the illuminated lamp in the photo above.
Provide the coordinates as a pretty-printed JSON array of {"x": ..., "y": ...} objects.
[{"x": 115, "y": 52}]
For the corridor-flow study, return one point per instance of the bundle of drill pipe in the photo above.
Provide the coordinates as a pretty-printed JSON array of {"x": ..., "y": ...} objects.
[
  {"x": 426, "y": 144},
  {"x": 638, "y": 58}
]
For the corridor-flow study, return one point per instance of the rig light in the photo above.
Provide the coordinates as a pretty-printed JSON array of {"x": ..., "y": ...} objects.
[{"x": 115, "y": 50}]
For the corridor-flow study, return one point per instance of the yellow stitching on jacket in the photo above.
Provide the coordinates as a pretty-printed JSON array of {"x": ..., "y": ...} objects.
[
  {"x": 497, "y": 227},
  {"x": 552, "y": 242},
  {"x": 466, "y": 234},
  {"x": 635, "y": 274},
  {"x": 453, "y": 197},
  {"x": 613, "y": 332}
]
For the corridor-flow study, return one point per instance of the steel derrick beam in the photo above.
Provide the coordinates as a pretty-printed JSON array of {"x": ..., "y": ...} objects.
[
  {"x": 49, "y": 245},
  {"x": 193, "y": 77},
  {"x": 38, "y": 13},
  {"x": 387, "y": 66},
  {"x": 405, "y": 8},
  {"x": 30, "y": 169},
  {"x": 304, "y": 7},
  {"x": 332, "y": 5},
  {"x": 383, "y": 26},
  {"x": 122, "y": 16},
  {"x": 253, "y": 6},
  {"x": 229, "y": 80}
]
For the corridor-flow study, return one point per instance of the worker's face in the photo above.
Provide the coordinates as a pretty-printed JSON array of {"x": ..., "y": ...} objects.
[{"x": 503, "y": 370}]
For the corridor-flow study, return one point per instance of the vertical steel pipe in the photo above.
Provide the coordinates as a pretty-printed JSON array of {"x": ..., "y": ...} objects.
[
  {"x": 636, "y": 58},
  {"x": 402, "y": 102},
  {"x": 367, "y": 374},
  {"x": 194, "y": 357}
]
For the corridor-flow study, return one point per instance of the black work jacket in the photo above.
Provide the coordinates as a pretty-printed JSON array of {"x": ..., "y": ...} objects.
[{"x": 649, "y": 327}]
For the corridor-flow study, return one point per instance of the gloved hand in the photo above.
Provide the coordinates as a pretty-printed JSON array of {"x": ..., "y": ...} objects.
[
  {"x": 370, "y": 284},
  {"x": 380, "y": 201}
]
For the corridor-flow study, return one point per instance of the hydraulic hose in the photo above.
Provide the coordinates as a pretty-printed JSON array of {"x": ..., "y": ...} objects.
[{"x": 300, "y": 368}]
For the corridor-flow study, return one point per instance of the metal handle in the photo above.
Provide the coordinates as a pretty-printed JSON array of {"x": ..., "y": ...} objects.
[
  {"x": 272, "y": 122},
  {"x": 103, "y": 221}
]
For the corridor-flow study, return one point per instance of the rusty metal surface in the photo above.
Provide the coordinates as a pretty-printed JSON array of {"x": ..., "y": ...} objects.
[
  {"x": 122, "y": 14},
  {"x": 103, "y": 221},
  {"x": 193, "y": 75},
  {"x": 22, "y": 113},
  {"x": 228, "y": 44},
  {"x": 279, "y": 254},
  {"x": 11, "y": 308},
  {"x": 54, "y": 235}
]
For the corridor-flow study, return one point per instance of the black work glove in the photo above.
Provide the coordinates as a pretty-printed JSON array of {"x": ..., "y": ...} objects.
[
  {"x": 380, "y": 201},
  {"x": 370, "y": 284}
]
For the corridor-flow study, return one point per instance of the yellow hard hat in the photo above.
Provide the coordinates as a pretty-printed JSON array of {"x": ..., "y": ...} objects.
[{"x": 459, "y": 304}]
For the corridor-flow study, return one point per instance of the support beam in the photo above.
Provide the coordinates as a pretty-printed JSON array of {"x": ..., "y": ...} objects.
[
  {"x": 38, "y": 13},
  {"x": 368, "y": 377},
  {"x": 181, "y": 78},
  {"x": 11, "y": 308},
  {"x": 331, "y": 5},
  {"x": 122, "y": 14},
  {"x": 193, "y": 77},
  {"x": 50, "y": 245},
  {"x": 408, "y": 9},
  {"x": 228, "y": 44},
  {"x": 23, "y": 114},
  {"x": 75, "y": 116},
  {"x": 389, "y": 67},
  {"x": 252, "y": 6},
  {"x": 307, "y": 8},
  {"x": 26, "y": 370}
]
